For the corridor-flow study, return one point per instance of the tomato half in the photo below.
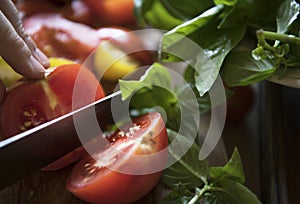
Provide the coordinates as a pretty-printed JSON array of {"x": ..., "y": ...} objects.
[
  {"x": 115, "y": 174},
  {"x": 29, "y": 103},
  {"x": 59, "y": 37}
]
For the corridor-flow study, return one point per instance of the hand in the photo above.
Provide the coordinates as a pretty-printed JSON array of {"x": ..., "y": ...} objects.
[{"x": 16, "y": 47}]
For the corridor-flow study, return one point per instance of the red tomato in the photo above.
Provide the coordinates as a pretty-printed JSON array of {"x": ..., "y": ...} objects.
[
  {"x": 74, "y": 10},
  {"x": 30, "y": 103},
  {"x": 239, "y": 104},
  {"x": 113, "y": 12},
  {"x": 107, "y": 180},
  {"x": 59, "y": 37}
]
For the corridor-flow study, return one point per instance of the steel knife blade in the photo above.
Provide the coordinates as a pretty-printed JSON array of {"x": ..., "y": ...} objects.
[{"x": 32, "y": 150}]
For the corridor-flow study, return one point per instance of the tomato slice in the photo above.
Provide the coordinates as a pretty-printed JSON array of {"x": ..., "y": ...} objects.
[{"x": 122, "y": 173}]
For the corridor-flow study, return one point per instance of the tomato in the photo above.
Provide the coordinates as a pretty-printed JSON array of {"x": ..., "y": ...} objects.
[
  {"x": 73, "y": 10},
  {"x": 113, "y": 12},
  {"x": 59, "y": 37},
  {"x": 239, "y": 104},
  {"x": 115, "y": 175},
  {"x": 29, "y": 103}
]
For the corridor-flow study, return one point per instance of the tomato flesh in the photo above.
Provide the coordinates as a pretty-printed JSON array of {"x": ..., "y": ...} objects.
[{"x": 104, "y": 177}]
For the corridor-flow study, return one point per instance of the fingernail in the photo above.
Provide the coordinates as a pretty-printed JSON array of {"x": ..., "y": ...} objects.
[
  {"x": 42, "y": 58},
  {"x": 38, "y": 69}
]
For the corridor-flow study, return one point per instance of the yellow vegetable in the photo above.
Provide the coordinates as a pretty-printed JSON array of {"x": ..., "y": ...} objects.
[
  {"x": 7, "y": 74},
  {"x": 112, "y": 63},
  {"x": 56, "y": 61}
]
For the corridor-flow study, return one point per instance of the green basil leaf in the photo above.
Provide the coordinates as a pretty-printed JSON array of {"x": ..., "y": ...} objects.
[
  {"x": 230, "y": 192},
  {"x": 178, "y": 195},
  {"x": 233, "y": 169},
  {"x": 240, "y": 69},
  {"x": 153, "y": 13},
  {"x": 156, "y": 75},
  {"x": 212, "y": 45},
  {"x": 188, "y": 170},
  {"x": 216, "y": 46},
  {"x": 188, "y": 10},
  {"x": 287, "y": 14},
  {"x": 217, "y": 197},
  {"x": 175, "y": 43},
  {"x": 226, "y": 2},
  {"x": 260, "y": 13}
]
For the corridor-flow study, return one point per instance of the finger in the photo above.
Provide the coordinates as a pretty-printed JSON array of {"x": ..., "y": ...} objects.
[
  {"x": 13, "y": 16},
  {"x": 16, "y": 52}
]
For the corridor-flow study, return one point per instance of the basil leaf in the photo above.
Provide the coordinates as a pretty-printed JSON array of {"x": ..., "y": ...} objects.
[
  {"x": 260, "y": 13},
  {"x": 178, "y": 195},
  {"x": 153, "y": 13},
  {"x": 156, "y": 75},
  {"x": 226, "y": 2},
  {"x": 212, "y": 45},
  {"x": 230, "y": 192},
  {"x": 287, "y": 14},
  {"x": 175, "y": 43},
  {"x": 233, "y": 169},
  {"x": 217, "y": 197},
  {"x": 188, "y": 170},
  {"x": 188, "y": 10},
  {"x": 240, "y": 69}
]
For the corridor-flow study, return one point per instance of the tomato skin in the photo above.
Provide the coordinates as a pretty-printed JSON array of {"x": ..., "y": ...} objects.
[
  {"x": 113, "y": 12},
  {"x": 105, "y": 185},
  {"x": 29, "y": 103},
  {"x": 86, "y": 86}
]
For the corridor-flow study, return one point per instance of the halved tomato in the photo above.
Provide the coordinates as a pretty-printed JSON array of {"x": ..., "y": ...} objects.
[
  {"x": 29, "y": 103},
  {"x": 59, "y": 37},
  {"x": 128, "y": 168}
]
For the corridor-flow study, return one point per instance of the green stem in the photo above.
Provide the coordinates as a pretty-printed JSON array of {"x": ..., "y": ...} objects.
[
  {"x": 291, "y": 39},
  {"x": 198, "y": 195},
  {"x": 262, "y": 40}
]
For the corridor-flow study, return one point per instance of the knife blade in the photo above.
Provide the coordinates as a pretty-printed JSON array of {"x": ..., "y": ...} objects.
[{"x": 32, "y": 150}]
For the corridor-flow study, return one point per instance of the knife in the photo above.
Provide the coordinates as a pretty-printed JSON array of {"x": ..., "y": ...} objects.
[{"x": 32, "y": 150}]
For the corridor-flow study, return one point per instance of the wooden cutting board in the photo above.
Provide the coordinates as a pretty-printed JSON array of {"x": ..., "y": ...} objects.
[{"x": 49, "y": 188}]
